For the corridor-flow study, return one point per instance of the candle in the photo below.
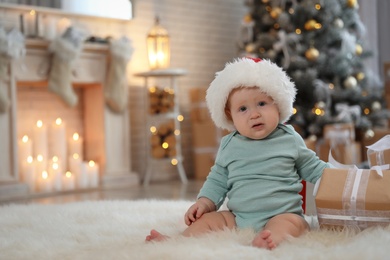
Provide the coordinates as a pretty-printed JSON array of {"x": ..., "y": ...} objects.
[
  {"x": 40, "y": 146},
  {"x": 28, "y": 173},
  {"x": 68, "y": 181},
  {"x": 49, "y": 23},
  {"x": 55, "y": 173},
  {"x": 75, "y": 145},
  {"x": 93, "y": 174},
  {"x": 25, "y": 150},
  {"x": 40, "y": 163},
  {"x": 79, "y": 171},
  {"x": 44, "y": 182},
  {"x": 58, "y": 141},
  {"x": 31, "y": 23}
]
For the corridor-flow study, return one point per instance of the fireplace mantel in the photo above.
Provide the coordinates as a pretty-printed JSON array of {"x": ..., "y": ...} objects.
[{"x": 110, "y": 143}]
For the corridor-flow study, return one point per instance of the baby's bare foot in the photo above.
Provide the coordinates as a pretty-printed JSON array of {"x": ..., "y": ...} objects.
[
  {"x": 264, "y": 240},
  {"x": 155, "y": 236}
]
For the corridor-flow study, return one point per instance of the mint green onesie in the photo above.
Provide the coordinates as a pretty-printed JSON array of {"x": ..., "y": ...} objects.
[{"x": 262, "y": 178}]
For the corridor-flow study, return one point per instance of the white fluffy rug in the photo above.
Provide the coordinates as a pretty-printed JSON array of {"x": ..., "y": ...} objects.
[{"x": 117, "y": 229}]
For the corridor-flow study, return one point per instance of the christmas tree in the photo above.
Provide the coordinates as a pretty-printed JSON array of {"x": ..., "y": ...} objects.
[{"x": 320, "y": 44}]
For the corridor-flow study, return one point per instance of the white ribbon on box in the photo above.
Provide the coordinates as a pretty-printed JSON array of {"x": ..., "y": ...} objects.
[
  {"x": 378, "y": 148},
  {"x": 353, "y": 199}
]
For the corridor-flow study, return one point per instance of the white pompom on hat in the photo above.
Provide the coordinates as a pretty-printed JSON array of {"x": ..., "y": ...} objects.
[{"x": 249, "y": 72}]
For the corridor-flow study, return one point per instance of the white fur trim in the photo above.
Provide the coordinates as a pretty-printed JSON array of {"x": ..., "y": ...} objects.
[{"x": 245, "y": 72}]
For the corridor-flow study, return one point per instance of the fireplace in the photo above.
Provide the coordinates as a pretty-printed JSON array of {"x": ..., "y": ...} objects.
[{"x": 105, "y": 134}]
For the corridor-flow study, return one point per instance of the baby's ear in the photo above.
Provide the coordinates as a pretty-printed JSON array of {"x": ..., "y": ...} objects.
[{"x": 228, "y": 114}]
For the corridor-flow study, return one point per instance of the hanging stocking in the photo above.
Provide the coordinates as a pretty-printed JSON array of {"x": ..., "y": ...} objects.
[
  {"x": 11, "y": 47},
  {"x": 115, "y": 91},
  {"x": 66, "y": 50},
  {"x": 4, "y": 100}
]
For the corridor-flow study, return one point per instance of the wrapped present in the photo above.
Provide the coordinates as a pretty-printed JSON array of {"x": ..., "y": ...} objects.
[
  {"x": 340, "y": 138},
  {"x": 379, "y": 152},
  {"x": 352, "y": 197}
]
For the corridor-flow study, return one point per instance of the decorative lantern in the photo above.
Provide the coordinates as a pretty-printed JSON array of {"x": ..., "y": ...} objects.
[{"x": 158, "y": 46}]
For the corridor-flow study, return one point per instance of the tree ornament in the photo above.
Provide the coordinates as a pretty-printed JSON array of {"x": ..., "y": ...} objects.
[
  {"x": 350, "y": 82},
  {"x": 358, "y": 49},
  {"x": 312, "y": 54},
  {"x": 369, "y": 134},
  {"x": 275, "y": 12},
  {"x": 352, "y": 3},
  {"x": 338, "y": 23},
  {"x": 312, "y": 25},
  {"x": 360, "y": 76},
  {"x": 376, "y": 106}
]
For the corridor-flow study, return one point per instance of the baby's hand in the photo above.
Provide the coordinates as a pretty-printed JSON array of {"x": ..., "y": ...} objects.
[{"x": 202, "y": 206}]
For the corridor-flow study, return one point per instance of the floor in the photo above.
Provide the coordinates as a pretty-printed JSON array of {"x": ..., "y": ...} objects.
[{"x": 173, "y": 190}]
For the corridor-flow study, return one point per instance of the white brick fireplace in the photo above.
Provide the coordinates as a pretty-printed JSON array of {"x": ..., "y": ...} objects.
[{"x": 106, "y": 135}]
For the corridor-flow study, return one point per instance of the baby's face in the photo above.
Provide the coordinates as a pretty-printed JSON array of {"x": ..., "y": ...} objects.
[{"x": 254, "y": 114}]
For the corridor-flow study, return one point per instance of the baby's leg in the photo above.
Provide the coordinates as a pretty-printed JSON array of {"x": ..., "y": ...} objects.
[
  {"x": 279, "y": 228},
  {"x": 212, "y": 221}
]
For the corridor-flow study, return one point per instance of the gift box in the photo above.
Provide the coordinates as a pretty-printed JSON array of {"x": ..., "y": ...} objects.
[
  {"x": 205, "y": 146},
  {"x": 340, "y": 138},
  {"x": 353, "y": 198},
  {"x": 379, "y": 152},
  {"x": 346, "y": 153},
  {"x": 378, "y": 133}
]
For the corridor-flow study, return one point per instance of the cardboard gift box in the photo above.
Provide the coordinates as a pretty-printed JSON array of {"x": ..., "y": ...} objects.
[
  {"x": 379, "y": 133},
  {"x": 203, "y": 160},
  {"x": 353, "y": 198},
  {"x": 379, "y": 152},
  {"x": 346, "y": 153}
]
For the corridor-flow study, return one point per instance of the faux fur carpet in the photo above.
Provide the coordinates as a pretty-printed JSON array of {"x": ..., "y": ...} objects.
[{"x": 117, "y": 229}]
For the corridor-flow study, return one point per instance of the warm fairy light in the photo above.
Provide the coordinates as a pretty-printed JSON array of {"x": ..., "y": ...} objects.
[
  {"x": 298, "y": 31},
  {"x": 68, "y": 174},
  {"x": 32, "y": 12},
  {"x": 40, "y": 158},
  {"x": 176, "y": 132},
  {"x": 174, "y": 161},
  {"x": 45, "y": 175},
  {"x": 54, "y": 159},
  {"x": 366, "y": 111},
  {"x": 294, "y": 111},
  {"x": 153, "y": 129},
  {"x": 152, "y": 89},
  {"x": 58, "y": 121},
  {"x": 25, "y": 139},
  {"x": 91, "y": 163},
  {"x": 318, "y": 6},
  {"x": 180, "y": 118},
  {"x": 165, "y": 145},
  {"x": 76, "y": 136},
  {"x": 331, "y": 86},
  {"x": 76, "y": 156},
  {"x": 39, "y": 123},
  {"x": 30, "y": 159}
]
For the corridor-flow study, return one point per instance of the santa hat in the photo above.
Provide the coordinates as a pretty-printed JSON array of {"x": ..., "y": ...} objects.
[{"x": 249, "y": 72}]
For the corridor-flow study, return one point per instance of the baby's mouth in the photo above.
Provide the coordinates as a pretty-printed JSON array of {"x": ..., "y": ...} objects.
[{"x": 257, "y": 125}]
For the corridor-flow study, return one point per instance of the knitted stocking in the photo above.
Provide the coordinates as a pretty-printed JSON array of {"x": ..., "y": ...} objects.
[
  {"x": 11, "y": 47},
  {"x": 115, "y": 91},
  {"x": 66, "y": 51},
  {"x": 4, "y": 100}
]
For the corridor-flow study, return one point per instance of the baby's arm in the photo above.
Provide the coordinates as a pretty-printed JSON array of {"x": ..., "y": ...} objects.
[{"x": 201, "y": 206}]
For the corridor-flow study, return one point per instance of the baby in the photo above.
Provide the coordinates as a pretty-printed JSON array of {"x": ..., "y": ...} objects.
[{"x": 260, "y": 164}]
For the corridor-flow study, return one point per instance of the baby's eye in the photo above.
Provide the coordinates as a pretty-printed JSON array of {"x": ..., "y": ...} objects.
[
  {"x": 242, "y": 109},
  {"x": 262, "y": 103}
]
